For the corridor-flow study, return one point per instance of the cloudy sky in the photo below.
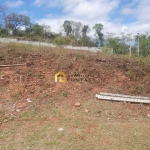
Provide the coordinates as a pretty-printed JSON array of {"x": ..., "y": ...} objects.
[{"x": 117, "y": 16}]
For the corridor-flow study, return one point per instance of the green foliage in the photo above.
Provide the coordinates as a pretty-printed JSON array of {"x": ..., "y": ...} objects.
[
  {"x": 98, "y": 28},
  {"x": 130, "y": 73},
  {"x": 3, "y": 32},
  {"x": 98, "y": 31},
  {"x": 36, "y": 29},
  {"x": 107, "y": 50},
  {"x": 119, "y": 44},
  {"x": 61, "y": 41},
  {"x": 67, "y": 27},
  {"x": 86, "y": 41},
  {"x": 144, "y": 43},
  {"x": 76, "y": 35},
  {"x": 64, "y": 94},
  {"x": 85, "y": 30}
]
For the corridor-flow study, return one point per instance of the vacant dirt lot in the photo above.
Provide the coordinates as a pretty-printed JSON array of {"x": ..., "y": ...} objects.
[{"x": 33, "y": 106}]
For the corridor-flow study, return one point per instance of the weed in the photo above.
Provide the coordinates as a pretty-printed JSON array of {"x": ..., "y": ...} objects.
[
  {"x": 15, "y": 96},
  {"x": 2, "y": 115},
  {"x": 75, "y": 73},
  {"x": 30, "y": 72},
  {"x": 77, "y": 149},
  {"x": 69, "y": 65},
  {"x": 115, "y": 89},
  {"x": 36, "y": 125},
  {"x": 53, "y": 53},
  {"x": 131, "y": 75},
  {"x": 24, "y": 54},
  {"x": 64, "y": 94},
  {"x": 140, "y": 89}
]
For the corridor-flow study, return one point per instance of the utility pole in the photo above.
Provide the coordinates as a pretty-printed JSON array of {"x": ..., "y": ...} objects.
[
  {"x": 138, "y": 45},
  {"x": 130, "y": 45},
  {"x": 130, "y": 38}
]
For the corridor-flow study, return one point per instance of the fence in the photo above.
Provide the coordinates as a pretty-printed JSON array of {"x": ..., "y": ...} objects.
[{"x": 8, "y": 40}]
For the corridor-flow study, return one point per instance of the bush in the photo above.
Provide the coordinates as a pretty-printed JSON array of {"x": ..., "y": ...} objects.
[{"x": 62, "y": 41}]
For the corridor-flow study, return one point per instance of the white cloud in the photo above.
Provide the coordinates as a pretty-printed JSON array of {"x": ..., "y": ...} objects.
[
  {"x": 127, "y": 11},
  {"x": 55, "y": 23},
  {"x": 24, "y": 12},
  {"x": 14, "y": 4},
  {"x": 85, "y": 11},
  {"x": 48, "y": 3},
  {"x": 93, "y": 10},
  {"x": 98, "y": 11},
  {"x": 139, "y": 10},
  {"x": 72, "y": 5}
]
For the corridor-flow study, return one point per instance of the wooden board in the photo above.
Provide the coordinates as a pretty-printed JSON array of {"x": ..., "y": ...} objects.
[{"x": 124, "y": 98}]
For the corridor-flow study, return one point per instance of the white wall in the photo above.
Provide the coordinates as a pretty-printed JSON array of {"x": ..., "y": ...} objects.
[{"x": 92, "y": 49}]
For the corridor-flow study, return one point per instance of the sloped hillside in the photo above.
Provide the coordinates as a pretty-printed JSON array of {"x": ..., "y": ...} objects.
[{"x": 38, "y": 113}]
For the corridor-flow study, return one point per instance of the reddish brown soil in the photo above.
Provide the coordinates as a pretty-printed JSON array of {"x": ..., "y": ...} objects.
[{"x": 35, "y": 80}]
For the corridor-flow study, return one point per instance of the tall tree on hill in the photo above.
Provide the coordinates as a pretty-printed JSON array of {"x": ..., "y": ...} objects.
[
  {"x": 98, "y": 31},
  {"x": 15, "y": 21},
  {"x": 85, "y": 30},
  {"x": 67, "y": 27},
  {"x": 76, "y": 29}
]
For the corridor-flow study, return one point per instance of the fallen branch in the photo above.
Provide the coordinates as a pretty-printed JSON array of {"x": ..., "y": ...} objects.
[{"x": 12, "y": 65}]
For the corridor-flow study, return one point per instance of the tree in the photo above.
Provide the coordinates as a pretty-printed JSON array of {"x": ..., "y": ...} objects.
[
  {"x": 14, "y": 22},
  {"x": 67, "y": 27},
  {"x": 98, "y": 28},
  {"x": 25, "y": 21},
  {"x": 76, "y": 29},
  {"x": 36, "y": 29},
  {"x": 120, "y": 44},
  {"x": 85, "y": 30},
  {"x": 3, "y": 16},
  {"x": 144, "y": 43},
  {"x": 47, "y": 30}
]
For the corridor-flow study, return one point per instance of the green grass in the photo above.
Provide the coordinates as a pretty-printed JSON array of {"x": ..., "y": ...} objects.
[{"x": 38, "y": 129}]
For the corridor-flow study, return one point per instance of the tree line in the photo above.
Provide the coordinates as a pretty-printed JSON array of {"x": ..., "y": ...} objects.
[{"x": 72, "y": 33}]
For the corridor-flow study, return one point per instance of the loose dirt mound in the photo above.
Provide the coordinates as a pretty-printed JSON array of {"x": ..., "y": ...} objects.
[{"x": 35, "y": 80}]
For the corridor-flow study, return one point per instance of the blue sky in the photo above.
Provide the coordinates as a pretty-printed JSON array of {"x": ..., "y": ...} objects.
[{"x": 117, "y": 16}]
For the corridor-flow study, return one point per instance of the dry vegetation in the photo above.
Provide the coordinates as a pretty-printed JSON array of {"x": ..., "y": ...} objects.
[{"x": 95, "y": 125}]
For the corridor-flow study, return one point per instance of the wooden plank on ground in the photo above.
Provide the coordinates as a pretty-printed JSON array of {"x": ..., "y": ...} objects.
[
  {"x": 12, "y": 65},
  {"x": 124, "y": 98}
]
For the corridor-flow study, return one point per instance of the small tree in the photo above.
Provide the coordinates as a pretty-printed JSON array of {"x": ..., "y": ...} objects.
[
  {"x": 98, "y": 31},
  {"x": 67, "y": 27},
  {"x": 85, "y": 30}
]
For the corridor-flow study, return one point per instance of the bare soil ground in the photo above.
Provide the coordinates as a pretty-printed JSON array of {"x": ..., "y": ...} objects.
[{"x": 33, "y": 106}]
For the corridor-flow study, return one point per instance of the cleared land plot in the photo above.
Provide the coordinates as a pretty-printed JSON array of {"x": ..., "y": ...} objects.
[{"x": 95, "y": 125}]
